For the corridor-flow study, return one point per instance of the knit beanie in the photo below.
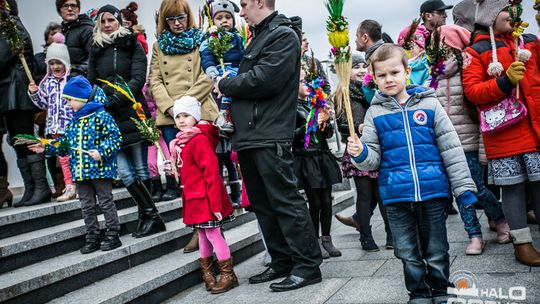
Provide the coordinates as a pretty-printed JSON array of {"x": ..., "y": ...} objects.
[
  {"x": 223, "y": 6},
  {"x": 454, "y": 36},
  {"x": 111, "y": 9},
  {"x": 419, "y": 38},
  {"x": 77, "y": 88},
  {"x": 58, "y": 50},
  {"x": 357, "y": 58},
  {"x": 463, "y": 14},
  {"x": 189, "y": 105}
]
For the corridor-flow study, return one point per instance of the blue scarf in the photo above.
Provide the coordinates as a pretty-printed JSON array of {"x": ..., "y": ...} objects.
[
  {"x": 89, "y": 108},
  {"x": 183, "y": 43}
]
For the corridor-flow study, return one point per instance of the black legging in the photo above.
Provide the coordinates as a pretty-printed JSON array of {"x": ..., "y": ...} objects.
[
  {"x": 320, "y": 208},
  {"x": 20, "y": 122},
  {"x": 367, "y": 198},
  {"x": 3, "y": 163}
]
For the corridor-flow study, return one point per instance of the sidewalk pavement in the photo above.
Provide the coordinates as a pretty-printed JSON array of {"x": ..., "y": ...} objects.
[{"x": 361, "y": 277}]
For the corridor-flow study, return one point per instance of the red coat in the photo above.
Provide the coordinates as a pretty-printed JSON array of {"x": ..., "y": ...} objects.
[
  {"x": 204, "y": 192},
  {"x": 485, "y": 91}
]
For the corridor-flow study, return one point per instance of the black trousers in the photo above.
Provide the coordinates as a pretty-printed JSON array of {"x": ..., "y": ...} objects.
[
  {"x": 281, "y": 211},
  {"x": 20, "y": 122}
]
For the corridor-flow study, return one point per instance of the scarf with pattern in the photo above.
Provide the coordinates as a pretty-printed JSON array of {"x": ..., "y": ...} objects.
[{"x": 178, "y": 44}]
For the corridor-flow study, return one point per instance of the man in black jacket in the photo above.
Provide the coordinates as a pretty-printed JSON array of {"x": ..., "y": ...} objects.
[
  {"x": 77, "y": 28},
  {"x": 264, "y": 97}
]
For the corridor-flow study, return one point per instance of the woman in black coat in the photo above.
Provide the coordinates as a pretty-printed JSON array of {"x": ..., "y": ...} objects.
[
  {"x": 17, "y": 110},
  {"x": 116, "y": 52},
  {"x": 316, "y": 169}
]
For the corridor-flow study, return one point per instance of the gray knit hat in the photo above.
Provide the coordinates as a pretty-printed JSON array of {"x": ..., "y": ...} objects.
[
  {"x": 488, "y": 10},
  {"x": 223, "y": 6},
  {"x": 463, "y": 14},
  {"x": 357, "y": 58}
]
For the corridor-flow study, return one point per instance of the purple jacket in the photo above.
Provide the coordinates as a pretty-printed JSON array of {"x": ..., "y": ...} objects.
[{"x": 49, "y": 97}]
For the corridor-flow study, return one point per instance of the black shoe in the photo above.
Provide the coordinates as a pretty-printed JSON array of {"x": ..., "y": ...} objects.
[
  {"x": 152, "y": 220},
  {"x": 268, "y": 275},
  {"x": 366, "y": 240},
  {"x": 111, "y": 240},
  {"x": 294, "y": 282},
  {"x": 92, "y": 243},
  {"x": 157, "y": 189}
]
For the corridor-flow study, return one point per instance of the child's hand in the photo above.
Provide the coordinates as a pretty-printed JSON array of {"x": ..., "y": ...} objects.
[
  {"x": 218, "y": 215},
  {"x": 32, "y": 88},
  {"x": 37, "y": 148},
  {"x": 95, "y": 154},
  {"x": 167, "y": 167},
  {"x": 360, "y": 128},
  {"x": 354, "y": 146},
  {"x": 323, "y": 116}
]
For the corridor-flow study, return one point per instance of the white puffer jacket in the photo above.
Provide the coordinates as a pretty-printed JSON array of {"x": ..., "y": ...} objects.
[{"x": 450, "y": 94}]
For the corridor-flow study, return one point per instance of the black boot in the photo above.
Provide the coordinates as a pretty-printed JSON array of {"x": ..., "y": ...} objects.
[
  {"x": 152, "y": 222},
  {"x": 236, "y": 194},
  {"x": 91, "y": 244},
  {"x": 157, "y": 189},
  {"x": 111, "y": 240},
  {"x": 366, "y": 239},
  {"x": 24, "y": 168},
  {"x": 172, "y": 188},
  {"x": 42, "y": 192}
]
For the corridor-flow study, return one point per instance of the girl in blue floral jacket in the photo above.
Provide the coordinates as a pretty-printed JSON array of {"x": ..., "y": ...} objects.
[{"x": 92, "y": 141}]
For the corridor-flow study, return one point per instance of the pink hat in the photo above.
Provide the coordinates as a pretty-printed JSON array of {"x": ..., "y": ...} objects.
[
  {"x": 455, "y": 36},
  {"x": 420, "y": 36}
]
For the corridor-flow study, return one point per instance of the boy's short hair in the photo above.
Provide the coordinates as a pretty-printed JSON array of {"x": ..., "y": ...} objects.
[
  {"x": 387, "y": 51},
  {"x": 372, "y": 28}
]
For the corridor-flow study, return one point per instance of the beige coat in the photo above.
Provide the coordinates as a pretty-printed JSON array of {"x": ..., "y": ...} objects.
[{"x": 174, "y": 76}]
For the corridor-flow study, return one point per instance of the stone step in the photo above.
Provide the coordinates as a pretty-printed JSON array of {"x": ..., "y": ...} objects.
[
  {"x": 35, "y": 246},
  {"x": 14, "y": 221},
  {"x": 54, "y": 277},
  {"x": 162, "y": 278}
]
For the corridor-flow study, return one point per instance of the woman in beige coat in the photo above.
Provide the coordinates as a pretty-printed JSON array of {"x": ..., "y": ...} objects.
[
  {"x": 176, "y": 71},
  {"x": 176, "y": 65}
]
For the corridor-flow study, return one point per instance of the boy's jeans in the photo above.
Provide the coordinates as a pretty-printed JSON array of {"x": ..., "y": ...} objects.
[
  {"x": 419, "y": 233},
  {"x": 492, "y": 207}
]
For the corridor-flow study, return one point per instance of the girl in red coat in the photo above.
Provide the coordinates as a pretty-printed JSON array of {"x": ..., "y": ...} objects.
[
  {"x": 491, "y": 71},
  {"x": 206, "y": 204}
]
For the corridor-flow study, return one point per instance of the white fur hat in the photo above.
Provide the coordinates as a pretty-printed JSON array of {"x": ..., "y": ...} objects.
[
  {"x": 58, "y": 50},
  {"x": 187, "y": 104}
]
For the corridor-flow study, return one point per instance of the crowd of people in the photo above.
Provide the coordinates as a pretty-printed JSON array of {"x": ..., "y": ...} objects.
[{"x": 421, "y": 137}]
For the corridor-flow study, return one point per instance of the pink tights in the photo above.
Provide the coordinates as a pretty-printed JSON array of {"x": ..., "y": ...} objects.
[
  {"x": 64, "y": 164},
  {"x": 210, "y": 239}
]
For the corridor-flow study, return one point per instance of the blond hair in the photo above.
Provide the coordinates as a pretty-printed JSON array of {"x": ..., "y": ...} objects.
[
  {"x": 387, "y": 51},
  {"x": 171, "y": 8}
]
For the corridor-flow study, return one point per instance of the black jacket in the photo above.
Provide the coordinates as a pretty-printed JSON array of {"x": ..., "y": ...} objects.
[
  {"x": 265, "y": 91},
  {"x": 78, "y": 35},
  {"x": 302, "y": 112},
  {"x": 13, "y": 79},
  {"x": 359, "y": 106},
  {"x": 125, "y": 58}
]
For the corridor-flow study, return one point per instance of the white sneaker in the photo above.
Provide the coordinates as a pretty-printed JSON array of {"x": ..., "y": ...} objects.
[{"x": 70, "y": 192}]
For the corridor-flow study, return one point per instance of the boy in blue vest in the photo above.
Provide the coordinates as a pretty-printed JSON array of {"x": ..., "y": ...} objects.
[
  {"x": 408, "y": 137},
  {"x": 92, "y": 141}
]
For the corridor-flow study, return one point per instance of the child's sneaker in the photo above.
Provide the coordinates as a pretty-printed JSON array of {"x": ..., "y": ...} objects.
[
  {"x": 223, "y": 121},
  {"x": 475, "y": 247},
  {"x": 70, "y": 192},
  {"x": 91, "y": 244}
]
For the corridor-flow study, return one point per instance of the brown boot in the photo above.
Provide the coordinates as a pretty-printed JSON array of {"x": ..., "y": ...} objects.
[
  {"x": 348, "y": 220},
  {"x": 193, "y": 244},
  {"x": 208, "y": 272},
  {"x": 227, "y": 278},
  {"x": 523, "y": 249}
]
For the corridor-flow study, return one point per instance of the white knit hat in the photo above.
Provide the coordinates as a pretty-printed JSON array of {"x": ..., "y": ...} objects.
[
  {"x": 58, "y": 50},
  {"x": 189, "y": 105}
]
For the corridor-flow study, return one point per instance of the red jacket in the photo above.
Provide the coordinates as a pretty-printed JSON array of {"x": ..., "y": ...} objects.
[
  {"x": 204, "y": 192},
  {"x": 486, "y": 91}
]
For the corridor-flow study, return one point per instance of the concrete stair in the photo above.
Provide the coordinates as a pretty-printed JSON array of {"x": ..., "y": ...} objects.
[{"x": 42, "y": 263}]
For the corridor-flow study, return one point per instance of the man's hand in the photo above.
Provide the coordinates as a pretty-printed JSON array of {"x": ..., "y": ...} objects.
[
  {"x": 94, "y": 154},
  {"x": 216, "y": 83},
  {"x": 37, "y": 148},
  {"x": 354, "y": 146},
  {"x": 324, "y": 115}
]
